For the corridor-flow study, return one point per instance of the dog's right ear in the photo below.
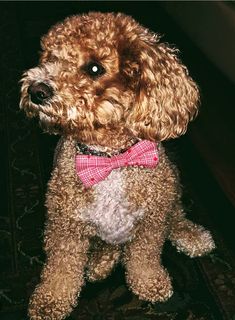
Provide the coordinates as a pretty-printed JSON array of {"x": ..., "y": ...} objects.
[{"x": 166, "y": 96}]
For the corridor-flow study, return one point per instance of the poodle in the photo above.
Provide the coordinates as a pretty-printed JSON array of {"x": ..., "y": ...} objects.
[{"x": 114, "y": 92}]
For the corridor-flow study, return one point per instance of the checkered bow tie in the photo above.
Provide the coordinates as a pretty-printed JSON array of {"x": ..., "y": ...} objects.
[{"x": 93, "y": 169}]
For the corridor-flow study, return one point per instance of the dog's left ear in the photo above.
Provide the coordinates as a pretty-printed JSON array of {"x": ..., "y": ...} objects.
[{"x": 167, "y": 98}]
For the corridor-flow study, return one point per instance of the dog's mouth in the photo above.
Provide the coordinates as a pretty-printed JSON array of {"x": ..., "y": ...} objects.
[
  {"x": 36, "y": 110},
  {"x": 38, "y": 100},
  {"x": 49, "y": 120}
]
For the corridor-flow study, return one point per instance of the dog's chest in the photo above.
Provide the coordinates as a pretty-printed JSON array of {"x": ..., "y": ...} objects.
[{"x": 111, "y": 211}]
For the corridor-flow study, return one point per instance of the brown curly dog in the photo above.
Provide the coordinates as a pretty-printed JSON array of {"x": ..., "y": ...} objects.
[{"x": 107, "y": 84}]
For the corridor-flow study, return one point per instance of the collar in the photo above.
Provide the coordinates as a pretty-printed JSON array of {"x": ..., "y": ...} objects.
[{"x": 92, "y": 151}]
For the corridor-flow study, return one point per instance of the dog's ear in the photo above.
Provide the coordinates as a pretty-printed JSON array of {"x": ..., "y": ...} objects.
[{"x": 167, "y": 98}]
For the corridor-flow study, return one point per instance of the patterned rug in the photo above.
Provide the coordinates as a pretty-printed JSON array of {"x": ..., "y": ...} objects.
[{"x": 204, "y": 287}]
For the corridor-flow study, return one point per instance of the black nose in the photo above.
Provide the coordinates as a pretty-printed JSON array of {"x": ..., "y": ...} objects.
[{"x": 40, "y": 92}]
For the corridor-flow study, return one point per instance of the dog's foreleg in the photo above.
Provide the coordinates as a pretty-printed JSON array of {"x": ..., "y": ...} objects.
[
  {"x": 61, "y": 280},
  {"x": 145, "y": 275}
]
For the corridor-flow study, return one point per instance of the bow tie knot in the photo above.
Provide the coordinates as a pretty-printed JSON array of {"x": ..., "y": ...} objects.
[{"x": 92, "y": 169}]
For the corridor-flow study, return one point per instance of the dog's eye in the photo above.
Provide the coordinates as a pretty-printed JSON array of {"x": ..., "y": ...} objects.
[{"x": 94, "y": 69}]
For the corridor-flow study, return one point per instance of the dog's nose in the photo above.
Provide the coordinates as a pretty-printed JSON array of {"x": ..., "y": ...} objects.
[{"x": 40, "y": 92}]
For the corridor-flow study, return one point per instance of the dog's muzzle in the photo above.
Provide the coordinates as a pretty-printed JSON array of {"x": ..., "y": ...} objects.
[{"x": 40, "y": 92}]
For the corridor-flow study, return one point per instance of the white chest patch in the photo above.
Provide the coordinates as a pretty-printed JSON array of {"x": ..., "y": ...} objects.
[{"x": 110, "y": 212}]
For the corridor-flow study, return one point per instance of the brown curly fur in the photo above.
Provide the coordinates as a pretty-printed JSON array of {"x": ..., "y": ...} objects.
[{"x": 145, "y": 93}]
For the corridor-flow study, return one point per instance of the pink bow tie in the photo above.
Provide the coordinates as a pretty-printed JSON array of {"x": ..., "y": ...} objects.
[{"x": 93, "y": 169}]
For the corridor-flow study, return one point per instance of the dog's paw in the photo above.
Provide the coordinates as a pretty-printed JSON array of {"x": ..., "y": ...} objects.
[
  {"x": 99, "y": 272},
  {"x": 151, "y": 284},
  {"x": 195, "y": 242},
  {"x": 44, "y": 306}
]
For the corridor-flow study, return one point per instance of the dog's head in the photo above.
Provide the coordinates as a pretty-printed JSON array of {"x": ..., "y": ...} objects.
[{"x": 105, "y": 79}]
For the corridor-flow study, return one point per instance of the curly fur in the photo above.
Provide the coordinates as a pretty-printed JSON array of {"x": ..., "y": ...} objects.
[{"x": 145, "y": 93}]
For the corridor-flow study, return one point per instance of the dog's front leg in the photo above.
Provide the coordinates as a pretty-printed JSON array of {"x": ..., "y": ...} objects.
[
  {"x": 145, "y": 275},
  {"x": 62, "y": 278}
]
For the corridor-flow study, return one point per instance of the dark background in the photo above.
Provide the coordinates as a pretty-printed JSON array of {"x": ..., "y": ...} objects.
[{"x": 205, "y": 155}]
